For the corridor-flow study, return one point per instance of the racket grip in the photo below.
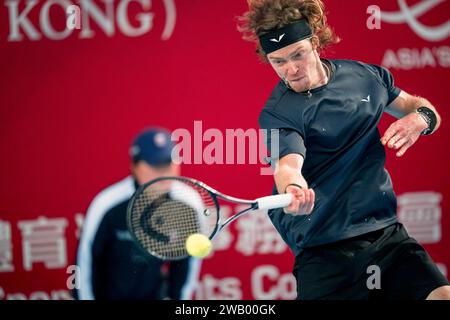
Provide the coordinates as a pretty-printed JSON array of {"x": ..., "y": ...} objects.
[{"x": 273, "y": 202}]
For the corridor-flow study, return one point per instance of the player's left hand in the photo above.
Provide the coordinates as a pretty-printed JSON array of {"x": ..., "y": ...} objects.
[{"x": 404, "y": 132}]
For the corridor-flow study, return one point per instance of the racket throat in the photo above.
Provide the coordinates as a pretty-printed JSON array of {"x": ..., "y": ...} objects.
[{"x": 237, "y": 215}]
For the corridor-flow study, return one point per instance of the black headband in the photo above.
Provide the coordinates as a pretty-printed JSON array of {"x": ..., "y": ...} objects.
[{"x": 279, "y": 38}]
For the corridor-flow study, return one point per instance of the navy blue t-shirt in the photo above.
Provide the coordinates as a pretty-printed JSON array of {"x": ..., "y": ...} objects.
[{"x": 335, "y": 130}]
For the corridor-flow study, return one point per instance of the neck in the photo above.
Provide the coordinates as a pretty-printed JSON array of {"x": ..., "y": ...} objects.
[{"x": 323, "y": 72}]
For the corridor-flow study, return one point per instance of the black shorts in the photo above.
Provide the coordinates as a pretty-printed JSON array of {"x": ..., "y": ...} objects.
[{"x": 384, "y": 264}]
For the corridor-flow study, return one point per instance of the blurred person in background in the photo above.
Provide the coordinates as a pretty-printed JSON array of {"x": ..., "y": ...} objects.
[{"x": 111, "y": 266}]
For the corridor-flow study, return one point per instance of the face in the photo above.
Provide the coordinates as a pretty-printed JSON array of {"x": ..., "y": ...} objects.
[
  {"x": 297, "y": 64},
  {"x": 143, "y": 172}
]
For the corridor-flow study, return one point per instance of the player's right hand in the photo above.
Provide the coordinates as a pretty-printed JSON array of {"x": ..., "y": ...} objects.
[{"x": 303, "y": 201}]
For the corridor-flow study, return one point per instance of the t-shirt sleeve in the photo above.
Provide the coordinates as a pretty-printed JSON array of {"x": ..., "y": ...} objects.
[
  {"x": 387, "y": 80},
  {"x": 281, "y": 136}
]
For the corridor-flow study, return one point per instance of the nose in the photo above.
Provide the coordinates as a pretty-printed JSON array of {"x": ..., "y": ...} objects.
[{"x": 293, "y": 68}]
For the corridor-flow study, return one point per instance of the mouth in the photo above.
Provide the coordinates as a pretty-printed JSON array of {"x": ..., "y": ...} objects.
[{"x": 296, "y": 79}]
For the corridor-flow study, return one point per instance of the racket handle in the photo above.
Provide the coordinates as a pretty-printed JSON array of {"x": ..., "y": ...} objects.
[{"x": 273, "y": 202}]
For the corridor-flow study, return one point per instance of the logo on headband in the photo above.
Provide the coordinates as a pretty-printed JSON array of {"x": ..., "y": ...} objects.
[{"x": 279, "y": 38}]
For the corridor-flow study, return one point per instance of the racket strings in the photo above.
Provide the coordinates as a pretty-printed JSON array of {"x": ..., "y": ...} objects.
[
  {"x": 163, "y": 217},
  {"x": 166, "y": 228}
]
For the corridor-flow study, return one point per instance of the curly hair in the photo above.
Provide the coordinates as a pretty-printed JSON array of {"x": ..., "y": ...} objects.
[{"x": 265, "y": 15}]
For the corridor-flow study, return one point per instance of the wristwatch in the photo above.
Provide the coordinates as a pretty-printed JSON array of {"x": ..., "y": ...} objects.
[{"x": 430, "y": 117}]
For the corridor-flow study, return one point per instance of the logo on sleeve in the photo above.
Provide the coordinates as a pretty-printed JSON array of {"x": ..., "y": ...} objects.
[{"x": 366, "y": 99}]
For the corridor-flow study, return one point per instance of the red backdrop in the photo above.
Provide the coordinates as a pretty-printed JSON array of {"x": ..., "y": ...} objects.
[{"x": 72, "y": 100}]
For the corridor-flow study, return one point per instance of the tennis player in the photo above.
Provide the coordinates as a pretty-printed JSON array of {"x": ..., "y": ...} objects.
[{"x": 332, "y": 160}]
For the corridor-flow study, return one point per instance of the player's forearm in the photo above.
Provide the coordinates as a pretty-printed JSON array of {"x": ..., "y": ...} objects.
[
  {"x": 285, "y": 175},
  {"x": 406, "y": 104},
  {"x": 422, "y": 102}
]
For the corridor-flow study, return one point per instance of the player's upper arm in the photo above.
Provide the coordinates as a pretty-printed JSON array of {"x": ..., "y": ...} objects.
[
  {"x": 282, "y": 142},
  {"x": 384, "y": 77},
  {"x": 282, "y": 135},
  {"x": 292, "y": 161}
]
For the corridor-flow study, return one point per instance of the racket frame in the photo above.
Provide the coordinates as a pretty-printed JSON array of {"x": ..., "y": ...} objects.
[{"x": 253, "y": 205}]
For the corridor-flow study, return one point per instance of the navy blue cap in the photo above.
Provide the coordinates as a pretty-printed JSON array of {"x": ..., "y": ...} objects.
[{"x": 153, "y": 146}]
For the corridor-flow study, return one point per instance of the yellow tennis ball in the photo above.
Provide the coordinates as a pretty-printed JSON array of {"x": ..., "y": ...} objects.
[{"x": 198, "y": 245}]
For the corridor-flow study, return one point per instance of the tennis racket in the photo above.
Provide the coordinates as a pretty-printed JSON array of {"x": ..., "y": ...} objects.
[{"x": 164, "y": 212}]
